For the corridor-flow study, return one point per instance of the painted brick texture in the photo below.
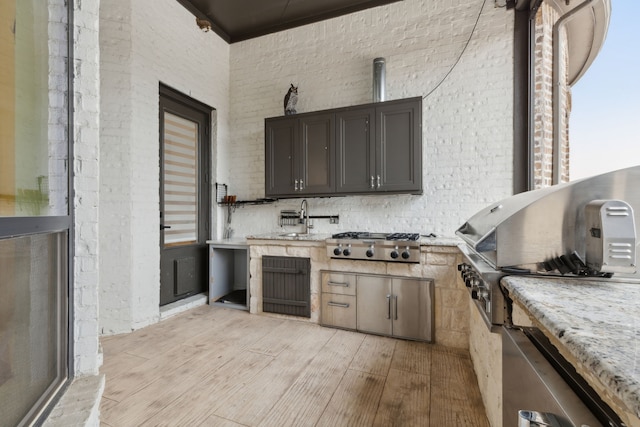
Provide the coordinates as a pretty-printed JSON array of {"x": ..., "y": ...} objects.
[
  {"x": 143, "y": 43},
  {"x": 86, "y": 186},
  {"x": 467, "y": 120}
]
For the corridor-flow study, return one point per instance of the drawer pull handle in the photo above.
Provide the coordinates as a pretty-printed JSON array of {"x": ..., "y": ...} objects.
[
  {"x": 344, "y": 285},
  {"x": 338, "y": 304}
]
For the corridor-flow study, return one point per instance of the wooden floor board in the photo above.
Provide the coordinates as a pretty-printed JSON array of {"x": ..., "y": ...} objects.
[
  {"x": 254, "y": 400},
  {"x": 355, "y": 401},
  {"x": 209, "y": 390},
  {"x": 303, "y": 403},
  {"x": 214, "y": 366},
  {"x": 405, "y": 400},
  {"x": 374, "y": 355}
]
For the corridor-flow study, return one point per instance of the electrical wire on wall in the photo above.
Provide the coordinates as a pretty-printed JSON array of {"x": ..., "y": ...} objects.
[{"x": 473, "y": 30}]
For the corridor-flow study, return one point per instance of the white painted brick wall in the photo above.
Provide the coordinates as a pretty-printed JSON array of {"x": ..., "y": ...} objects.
[
  {"x": 467, "y": 121},
  {"x": 145, "y": 42},
  {"x": 86, "y": 168}
]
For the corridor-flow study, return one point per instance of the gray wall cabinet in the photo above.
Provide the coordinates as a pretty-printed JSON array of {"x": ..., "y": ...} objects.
[
  {"x": 300, "y": 155},
  {"x": 373, "y": 148},
  {"x": 379, "y": 148}
]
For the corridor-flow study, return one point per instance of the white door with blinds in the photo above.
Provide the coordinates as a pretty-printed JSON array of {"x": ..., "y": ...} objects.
[
  {"x": 184, "y": 195},
  {"x": 180, "y": 180}
]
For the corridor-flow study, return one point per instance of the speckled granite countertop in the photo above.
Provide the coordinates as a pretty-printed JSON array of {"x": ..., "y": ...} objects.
[
  {"x": 597, "y": 321},
  {"x": 321, "y": 237}
]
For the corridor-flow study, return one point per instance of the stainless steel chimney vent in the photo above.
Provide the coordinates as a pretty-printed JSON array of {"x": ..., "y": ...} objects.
[{"x": 379, "y": 77}]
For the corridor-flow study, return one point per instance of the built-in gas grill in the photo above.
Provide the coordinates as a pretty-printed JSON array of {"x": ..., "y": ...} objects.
[
  {"x": 583, "y": 228},
  {"x": 361, "y": 245}
]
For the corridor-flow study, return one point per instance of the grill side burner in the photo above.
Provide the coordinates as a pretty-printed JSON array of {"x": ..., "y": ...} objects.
[{"x": 360, "y": 245}]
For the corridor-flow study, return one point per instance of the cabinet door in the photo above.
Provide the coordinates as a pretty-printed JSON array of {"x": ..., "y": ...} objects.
[
  {"x": 281, "y": 170},
  {"x": 286, "y": 287},
  {"x": 317, "y": 154},
  {"x": 373, "y": 304},
  {"x": 355, "y": 150},
  {"x": 399, "y": 146},
  {"x": 412, "y": 308}
]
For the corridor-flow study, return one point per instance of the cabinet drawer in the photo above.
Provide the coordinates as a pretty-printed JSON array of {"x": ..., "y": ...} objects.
[
  {"x": 339, "y": 310},
  {"x": 338, "y": 283}
]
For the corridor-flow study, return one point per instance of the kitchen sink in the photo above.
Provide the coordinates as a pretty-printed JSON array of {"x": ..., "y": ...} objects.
[{"x": 294, "y": 235}]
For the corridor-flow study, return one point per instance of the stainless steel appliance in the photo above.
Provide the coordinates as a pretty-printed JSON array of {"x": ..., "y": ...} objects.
[
  {"x": 540, "y": 388},
  {"x": 584, "y": 228},
  {"x": 360, "y": 245},
  {"x": 581, "y": 228}
]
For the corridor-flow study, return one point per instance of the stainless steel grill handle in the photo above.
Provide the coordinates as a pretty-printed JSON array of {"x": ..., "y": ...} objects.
[{"x": 535, "y": 419}]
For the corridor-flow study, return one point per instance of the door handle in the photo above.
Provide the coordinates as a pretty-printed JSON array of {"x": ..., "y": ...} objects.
[
  {"x": 388, "y": 306},
  {"x": 338, "y": 304},
  {"x": 344, "y": 285},
  {"x": 395, "y": 301},
  {"x": 162, "y": 227}
]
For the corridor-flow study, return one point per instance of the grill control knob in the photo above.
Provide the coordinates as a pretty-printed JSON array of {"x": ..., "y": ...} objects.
[
  {"x": 394, "y": 253},
  {"x": 406, "y": 254},
  {"x": 370, "y": 251},
  {"x": 347, "y": 251},
  {"x": 337, "y": 251}
]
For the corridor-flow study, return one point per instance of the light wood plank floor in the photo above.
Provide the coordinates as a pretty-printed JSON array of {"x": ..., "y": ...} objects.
[{"x": 213, "y": 366}]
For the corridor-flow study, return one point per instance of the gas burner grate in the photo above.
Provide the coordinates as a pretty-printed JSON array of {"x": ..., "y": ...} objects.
[
  {"x": 348, "y": 235},
  {"x": 403, "y": 236},
  {"x": 382, "y": 236}
]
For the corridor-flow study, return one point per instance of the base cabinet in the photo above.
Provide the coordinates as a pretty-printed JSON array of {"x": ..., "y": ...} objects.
[
  {"x": 339, "y": 300},
  {"x": 378, "y": 304}
]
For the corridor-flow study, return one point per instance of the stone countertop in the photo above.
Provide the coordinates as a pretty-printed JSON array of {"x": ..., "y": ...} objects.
[
  {"x": 228, "y": 242},
  {"x": 282, "y": 235},
  {"x": 321, "y": 237},
  {"x": 598, "y": 322}
]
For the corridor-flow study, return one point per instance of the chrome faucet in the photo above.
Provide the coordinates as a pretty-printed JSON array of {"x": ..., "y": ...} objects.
[{"x": 304, "y": 216}]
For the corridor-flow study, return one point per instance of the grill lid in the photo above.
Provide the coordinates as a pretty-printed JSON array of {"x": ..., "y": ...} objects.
[{"x": 541, "y": 225}]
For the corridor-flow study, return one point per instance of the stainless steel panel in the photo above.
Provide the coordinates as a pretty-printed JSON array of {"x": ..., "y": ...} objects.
[
  {"x": 412, "y": 308},
  {"x": 535, "y": 226},
  {"x": 373, "y": 310},
  {"x": 338, "y": 283},
  {"x": 492, "y": 305},
  {"x": 339, "y": 310},
  {"x": 530, "y": 383}
]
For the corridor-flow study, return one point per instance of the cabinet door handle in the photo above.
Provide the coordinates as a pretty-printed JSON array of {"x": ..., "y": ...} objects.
[
  {"x": 378, "y": 185},
  {"x": 345, "y": 285},
  {"x": 388, "y": 306},
  {"x": 338, "y": 304},
  {"x": 395, "y": 301},
  {"x": 295, "y": 185},
  {"x": 301, "y": 185},
  {"x": 372, "y": 184}
]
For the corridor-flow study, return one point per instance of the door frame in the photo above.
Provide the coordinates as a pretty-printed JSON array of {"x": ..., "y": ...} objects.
[{"x": 173, "y": 101}]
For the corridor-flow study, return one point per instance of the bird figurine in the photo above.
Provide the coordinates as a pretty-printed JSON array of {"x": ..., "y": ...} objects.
[{"x": 290, "y": 100}]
